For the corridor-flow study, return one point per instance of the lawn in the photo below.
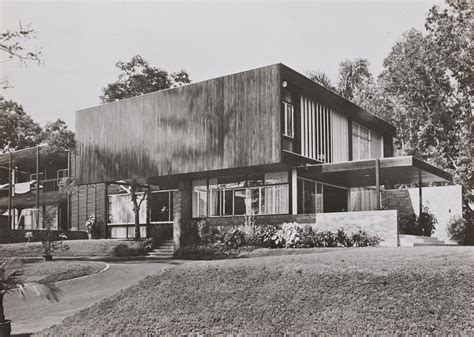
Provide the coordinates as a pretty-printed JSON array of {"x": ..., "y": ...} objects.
[
  {"x": 57, "y": 270},
  {"x": 100, "y": 247},
  {"x": 413, "y": 290}
]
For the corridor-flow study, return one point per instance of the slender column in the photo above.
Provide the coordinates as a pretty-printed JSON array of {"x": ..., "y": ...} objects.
[
  {"x": 377, "y": 181},
  {"x": 106, "y": 220},
  {"x": 420, "y": 193},
  {"x": 37, "y": 185},
  {"x": 294, "y": 192},
  {"x": 68, "y": 200},
  {"x": 10, "y": 190},
  {"x": 148, "y": 211}
]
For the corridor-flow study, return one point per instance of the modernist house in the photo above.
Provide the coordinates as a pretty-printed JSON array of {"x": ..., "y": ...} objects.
[
  {"x": 267, "y": 141},
  {"x": 32, "y": 187}
]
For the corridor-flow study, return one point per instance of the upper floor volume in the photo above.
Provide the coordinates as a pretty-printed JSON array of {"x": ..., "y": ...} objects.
[{"x": 267, "y": 116}]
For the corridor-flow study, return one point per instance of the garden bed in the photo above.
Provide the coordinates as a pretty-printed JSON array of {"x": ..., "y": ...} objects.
[{"x": 99, "y": 247}]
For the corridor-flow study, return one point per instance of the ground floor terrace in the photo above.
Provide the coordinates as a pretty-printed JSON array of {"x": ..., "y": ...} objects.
[{"x": 358, "y": 195}]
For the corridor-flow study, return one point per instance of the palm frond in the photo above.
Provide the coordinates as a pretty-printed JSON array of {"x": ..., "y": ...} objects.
[{"x": 47, "y": 291}]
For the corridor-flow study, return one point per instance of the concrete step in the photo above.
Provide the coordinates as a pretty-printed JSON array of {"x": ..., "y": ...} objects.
[
  {"x": 417, "y": 244},
  {"x": 414, "y": 240}
]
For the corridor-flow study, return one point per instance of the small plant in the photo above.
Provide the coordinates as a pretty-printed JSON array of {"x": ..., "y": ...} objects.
[
  {"x": 457, "y": 229},
  {"x": 11, "y": 281},
  {"x": 362, "y": 239},
  {"x": 49, "y": 243},
  {"x": 148, "y": 244},
  {"x": 343, "y": 240},
  {"x": 29, "y": 236},
  {"x": 90, "y": 226},
  {"x": 291, "y": 235},
  {"x": 426, "y": 221},
  {"x": 234, "y": 238}
]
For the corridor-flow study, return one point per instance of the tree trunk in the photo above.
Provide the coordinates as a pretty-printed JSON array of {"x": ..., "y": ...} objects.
[{"x": 2, "y": 313}]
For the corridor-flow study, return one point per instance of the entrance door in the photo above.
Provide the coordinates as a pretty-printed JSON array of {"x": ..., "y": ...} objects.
[{"x": 335, "y": 199}]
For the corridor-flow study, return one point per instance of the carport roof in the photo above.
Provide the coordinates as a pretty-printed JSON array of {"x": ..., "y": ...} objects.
[{"x": 393, "y": 171}]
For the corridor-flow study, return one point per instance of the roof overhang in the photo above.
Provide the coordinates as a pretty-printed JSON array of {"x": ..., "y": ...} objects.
[{"x": 393, "y": 171}]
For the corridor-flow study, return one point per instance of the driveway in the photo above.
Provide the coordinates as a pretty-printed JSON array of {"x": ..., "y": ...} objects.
[{"x": 34, "y": 314}]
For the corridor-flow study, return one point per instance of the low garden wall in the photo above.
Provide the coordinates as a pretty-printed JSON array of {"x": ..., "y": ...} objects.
[
  {"x": 18, "y": 235},
  {"x": 380, "y": 223}
]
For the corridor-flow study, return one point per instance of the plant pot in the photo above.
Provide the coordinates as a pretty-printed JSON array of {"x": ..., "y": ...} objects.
[
  {"x": 5, "y": 328},
  {"x": 48, "y": 257}
]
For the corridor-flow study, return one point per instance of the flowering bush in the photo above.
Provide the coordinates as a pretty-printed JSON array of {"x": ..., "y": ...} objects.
[
  {"x": 28, "y": 236},
  {"x": 90, "y": 225},
  {"x": 457, "y": 229}
]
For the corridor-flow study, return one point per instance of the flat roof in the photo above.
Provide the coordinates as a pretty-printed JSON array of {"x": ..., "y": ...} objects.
[{"x": 393, "y": 171}]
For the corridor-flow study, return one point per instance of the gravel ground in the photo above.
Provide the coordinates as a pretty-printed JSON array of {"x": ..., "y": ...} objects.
[{"x": 413, "y": 290}]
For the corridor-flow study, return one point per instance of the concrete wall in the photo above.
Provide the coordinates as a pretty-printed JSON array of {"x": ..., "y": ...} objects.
[{"x": 444, "y": 201}]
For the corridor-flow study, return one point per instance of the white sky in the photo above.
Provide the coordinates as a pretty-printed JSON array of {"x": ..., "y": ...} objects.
[{"x": 82, "y": 41}]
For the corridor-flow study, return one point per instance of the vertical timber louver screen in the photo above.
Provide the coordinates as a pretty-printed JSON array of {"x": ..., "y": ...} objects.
[
  {"x": 340, "y": 137},
  {"x": 316, "y": 142}
]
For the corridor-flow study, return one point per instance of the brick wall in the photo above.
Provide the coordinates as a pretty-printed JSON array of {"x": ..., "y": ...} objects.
[
  {"x": 399, "y": 200},
  {"x": 182, "y": 203},
  {"x": 380, "y": 223}
]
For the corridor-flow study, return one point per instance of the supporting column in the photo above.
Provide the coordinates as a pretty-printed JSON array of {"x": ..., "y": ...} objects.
[
  {"x": 377, "y": 181},
  {"x": 68, "y": 200},
  {"x": 294, "y": 192},
  {"x": 106, "y": 220},
  {"x": 37, "y": 186},
  {"x": 420, "y": 193},
  {"x": 10, "y": 190},
  {"x": 148, "y": 212}
]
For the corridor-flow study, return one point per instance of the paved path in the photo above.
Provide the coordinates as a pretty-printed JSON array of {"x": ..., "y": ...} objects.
[{"x": 35, "y": 314}]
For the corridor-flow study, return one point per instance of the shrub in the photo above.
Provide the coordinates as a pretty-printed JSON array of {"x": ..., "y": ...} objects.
[
  {"x": 234, "y": 238},
  {"x": 291, "y": 233},
  {"x": 264, "y": 236},
  {"x": 343, "y": 240},
  {"x": 426, "y": 222},
  {"x": 362, "y": 239},
  {"x": 457, "y": 229}
]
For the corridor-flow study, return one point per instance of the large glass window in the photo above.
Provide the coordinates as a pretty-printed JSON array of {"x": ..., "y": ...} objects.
[
  {"x": 239, "y": 195},
  {"x": 121, "y": 209},
  {"x": 161, "y": 206},
  {"x": 310, "y": 196},
  {"x": 360, "y": 142},
  {"x": 363, "y": 199}
]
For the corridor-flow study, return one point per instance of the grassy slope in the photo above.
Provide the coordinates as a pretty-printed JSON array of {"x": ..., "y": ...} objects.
[
  {"x": 354, "y": 291},
  {"x": 76, "y": 248},
  {"x": 59, "y": 270}
]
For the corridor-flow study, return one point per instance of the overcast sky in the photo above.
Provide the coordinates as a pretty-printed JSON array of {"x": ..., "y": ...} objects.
[{"x": 82, "y": 41}]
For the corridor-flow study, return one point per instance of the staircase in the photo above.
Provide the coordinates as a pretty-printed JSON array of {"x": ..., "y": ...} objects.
[
  {"x": 414, "y": 240},
  {"x": 164, "y": 251}
]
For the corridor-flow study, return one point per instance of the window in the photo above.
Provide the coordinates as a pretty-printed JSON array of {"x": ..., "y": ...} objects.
[
  {"x": 360, "y": 142},
  {"x": 161, "y": 206},
  {"x": 257, "y": 193},
  {"x": 310, "y": 196},
  {"x": 363, "y": 199},
  {"x": 289, "y": 112},
  {"x": 199, "y": 198},
  {"x": 121, "y": 209},
  {"x": 33, "y": 176}
]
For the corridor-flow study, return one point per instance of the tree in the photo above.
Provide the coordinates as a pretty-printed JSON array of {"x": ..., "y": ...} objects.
[
  {"x": 58, "y": 136},
  {"x": 321, "y": 78},
  {"x": 138, "y": 77},
  {"x": 353, "y": 75},
  {"x": 17, "y": 128},
  {"x": 11, "y": 280},
  {"x": 12, "y": 48},
  {"x": 132, "y": 189}
]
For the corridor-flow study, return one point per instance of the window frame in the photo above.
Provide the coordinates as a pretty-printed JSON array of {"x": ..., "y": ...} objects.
[{"x": 286, "y": 110}]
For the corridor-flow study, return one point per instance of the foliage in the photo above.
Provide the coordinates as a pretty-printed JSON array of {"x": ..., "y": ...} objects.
[
  {"x": 148, "y": 244},
  {"x": 353, "y": 75},
  {"x": 29, "y": 236},
  {"x": 362, "y": 239},
  {"x": 11, "y": 280},
  {"x": 17, "y": 128},
  {"x": 425, "y": 222},
  {"x": 457, "y": 229},
  {"x": 138, "y": 77},
  {"x": 321, "y": 78},
  {"x": 12, "y": 46},
  {"x": 57, "y": 136},
  {"x": 90, "y": 225},
  {"x": 49, "y": 242},
  {"x": 67, "y": 186}
]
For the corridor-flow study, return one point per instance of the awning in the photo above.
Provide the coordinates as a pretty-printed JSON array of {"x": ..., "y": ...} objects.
[{"x": 393, "y": 171}]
